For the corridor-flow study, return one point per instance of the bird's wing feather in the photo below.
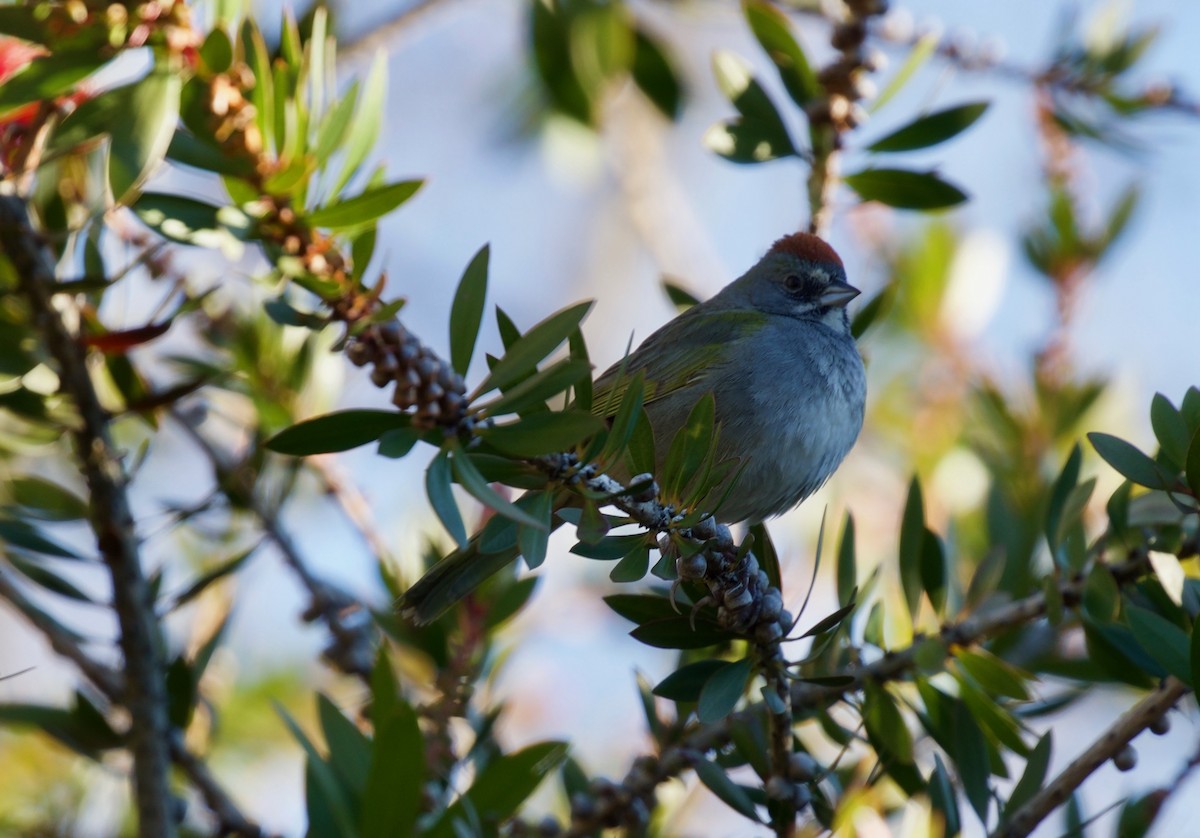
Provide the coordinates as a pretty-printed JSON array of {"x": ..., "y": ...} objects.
[{"x": 680, "y": 354}]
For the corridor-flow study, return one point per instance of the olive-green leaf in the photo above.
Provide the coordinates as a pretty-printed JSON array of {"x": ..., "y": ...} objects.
[
  {"x": 912, "y": 541},
  {"x": 145, "y": 116},
  {"x": 532, "y": 540},
  {"x": 1164, "y": 641},
  {"x": 1193, "y": 464},
  {"x": 1033, "y": 776},
  {"x": 367, "y": 120},
  {"x": 337, "y": 431},
  {"x": 392, "y": 796},
  {"x": 543, "y": 433},
  {"x": 771, "y": 29},
  {"x": 723, "y": 690},
  {"x": 685, "y": 683},
  {"x": 1129, "y": 461},
  {"x": 362, "y": 209},
  {"x": 905, "y": 189},
  {"x": 469, "y": 477},
  {"x": 744, "y": 139},
  {"x": 931, "y": 129},
  {"x": 47, "y": 77},
  {"x": 633, "y": 565},
  {"x": 1170, "y": 429},
  {"x": 466, "y": 313},
  {"x": 944, "y": 799},
  {"x": 441, "y": 497},
  {"x": 530, "y": 349},
  {"x": 47, "y": 500},
  {"x": 714, "y": 777},
  {"x": 502, "y": 786}
]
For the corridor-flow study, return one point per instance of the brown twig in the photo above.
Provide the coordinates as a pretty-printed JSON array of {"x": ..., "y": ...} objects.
[
  {"x": 1139, "y": 717},
  {"x": 111, "y": 520}
]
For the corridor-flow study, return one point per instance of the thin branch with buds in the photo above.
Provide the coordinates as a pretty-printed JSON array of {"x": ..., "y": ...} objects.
[{"x": 1139, "y": 717}]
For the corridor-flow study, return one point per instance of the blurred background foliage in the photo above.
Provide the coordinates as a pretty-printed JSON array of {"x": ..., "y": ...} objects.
[{"x": 214, "y": 290}]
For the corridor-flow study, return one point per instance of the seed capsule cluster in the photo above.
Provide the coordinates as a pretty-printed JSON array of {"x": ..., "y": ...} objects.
[{"x": 423, "y": 382}]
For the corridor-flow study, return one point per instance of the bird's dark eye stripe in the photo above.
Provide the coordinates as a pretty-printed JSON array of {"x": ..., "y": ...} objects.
[{"x": 802, "y": 286}]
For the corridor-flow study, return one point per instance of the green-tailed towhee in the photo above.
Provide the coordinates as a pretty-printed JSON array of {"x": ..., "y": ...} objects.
[{"x": 774, "y": 348}]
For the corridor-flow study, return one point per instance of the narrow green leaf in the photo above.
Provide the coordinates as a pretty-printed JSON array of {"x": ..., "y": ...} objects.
[
  {"x": 633, "y": 566},
  {"x": 745, "y": 139},
  {"x": 969, "y": 749},
  {"x": 532, "y": 541},
  {"x": 774, "y": 34},
  {"x": 921, "y": 52},
  {"x": 367, "y": 121},
  {"x": 1033, "y": 776},
  {"x": 337, "y": 431},
  {"x": 734, "y": 796},
  {"x": 1170, "y": 429},
  {"x": 527, "y": 351},
  {"x": 140, "y": 137},
  {"x": 723, "y": 690},
  {"x": 1129, "y": 461},
  {"x": 885, "y": 726},
  {"x": 471, "y": 480},
  {"x": 218, "y": 572},
  {"x": 392, "y": 796},
  {"x": 1193, "y": 464},
  {"x": 46, "y": 578},
  {"x": 654, "y": 74},
  {"x": 349, "y": 749},
  {"x": 626, "y": 418},
  {"x": 466, "y": 313},
  {"x": 543, "y": 433},
  {"x": 1196, "y": 651},
  {"x": 28, "y": 537},
  {"x": 944, "y": 799},
  {"x": 441, "y": 497},
  {"x": 1164, "y": 641},
  {"x": 46, "y": 500},
  {"x": 905, "y": 189},
  {"x": 685, "y": 683},
  {"x": 362, "y": 209},
  {"x": 690, "y": 446},
  {"x": 610, "y": 547},
  {"x": 330, "y": 789},
  {"x": 533, "y": 392},
  {"x": 396, "y": 443},
  {"x": 912, "y": 540},
  {"x": 47, "y": 77},
  {"x": 934, "y": 573},
  {"x": 833, "y": 620},
  {"x": 995, "y": 674},
  {"x": 678, "y": 632},
  {"x": 1063, "y": 484},
  {"x": 847, "y": 569},
  {"x": 931, "y": 129},
  {"x": 501, "y": 787}
]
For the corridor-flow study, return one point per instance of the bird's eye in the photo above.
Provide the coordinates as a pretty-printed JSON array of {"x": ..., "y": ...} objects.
[
  {"x": 793, "y": 283},
  {"x": 801, "y": 285}
]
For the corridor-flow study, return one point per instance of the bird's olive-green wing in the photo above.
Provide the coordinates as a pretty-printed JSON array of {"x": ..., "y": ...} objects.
[{"x": 679, "y": 354}]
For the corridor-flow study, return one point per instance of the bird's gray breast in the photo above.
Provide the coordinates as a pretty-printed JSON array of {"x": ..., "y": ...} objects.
[{"x": 798, "y": 412}]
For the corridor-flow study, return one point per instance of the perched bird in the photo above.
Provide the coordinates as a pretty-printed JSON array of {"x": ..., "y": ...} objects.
[{"x": 774, "y": 348}]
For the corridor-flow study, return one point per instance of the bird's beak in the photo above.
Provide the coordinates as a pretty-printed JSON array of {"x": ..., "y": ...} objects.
[{"x": 838, "y": 294}]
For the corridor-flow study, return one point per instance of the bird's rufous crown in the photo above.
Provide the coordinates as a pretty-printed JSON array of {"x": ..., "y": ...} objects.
[{"x": 807, "y": 247}]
